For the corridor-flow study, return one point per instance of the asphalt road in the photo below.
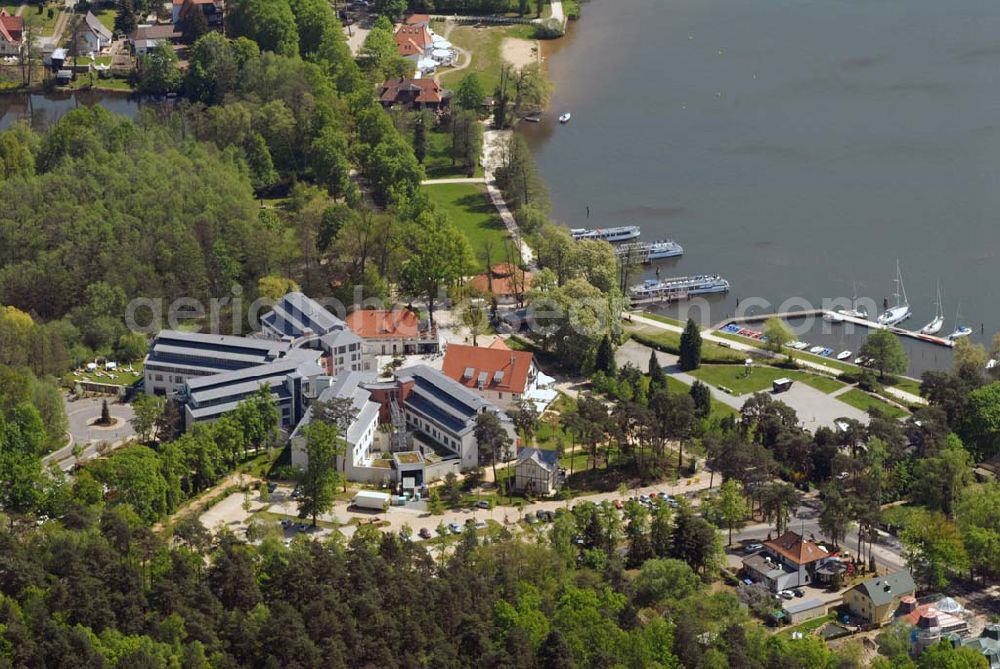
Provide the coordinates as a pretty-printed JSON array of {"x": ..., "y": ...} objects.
[{"x": 81, "y": 413}]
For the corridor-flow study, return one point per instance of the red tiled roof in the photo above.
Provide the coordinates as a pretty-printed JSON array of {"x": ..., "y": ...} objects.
[
  {"x": 11, "y": 27},
  {"x": 418, "y": 34},
  {"x": 500, "y": 344},
  {"x": 501, "y": 281},
  {"x": 514, "y": 366},
  {"x": 793, "y": 547},
  {"x": 426, "y": 90},
  {"x": 383, "y": 324},
  {"x": 408, "y": 48}
]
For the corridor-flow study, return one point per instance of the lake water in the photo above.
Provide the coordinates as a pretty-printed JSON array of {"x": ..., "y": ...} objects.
[
  {"x": 43, "y": 109},
  {"x": 797, "y": 147}
]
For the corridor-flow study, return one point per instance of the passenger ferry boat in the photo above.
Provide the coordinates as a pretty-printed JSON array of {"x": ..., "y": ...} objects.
[
  {"x": 678, "y": 288},
  {"x": 647, "y": 252},
  {"x": 619, "y": 234}
]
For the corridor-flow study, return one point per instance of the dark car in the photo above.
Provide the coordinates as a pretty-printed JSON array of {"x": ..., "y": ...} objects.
[
  {"x": 271, "y": 487},
  {"x": 798, "y": 592},
  {"x": 424, "y": 533}
]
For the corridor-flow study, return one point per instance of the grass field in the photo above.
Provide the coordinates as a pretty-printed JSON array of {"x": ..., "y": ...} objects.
[
  {"x": 859, "y": 399},
  {"x": 484, "y": 45},
  {"x": 662, "y": 319},
  {"x": 120, "y": 376},
  {"x": 668, "y": 341},
  {"x": 106, "y": 15},
  {"x": 469, "y": 210},
  {"x": 437, "y": 162},
  {"x": 735, "y": 378},
  {"x": 906, "y": 384}
]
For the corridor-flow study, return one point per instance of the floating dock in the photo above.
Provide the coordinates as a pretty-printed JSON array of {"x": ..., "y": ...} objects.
[{"x": 843, "y": 318}]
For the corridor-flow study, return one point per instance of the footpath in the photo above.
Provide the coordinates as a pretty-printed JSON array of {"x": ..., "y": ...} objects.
[{"x": 493, "y": 143}]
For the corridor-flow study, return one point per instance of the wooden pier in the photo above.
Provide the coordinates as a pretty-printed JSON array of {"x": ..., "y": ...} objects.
[{"x": 842, "y": 318}]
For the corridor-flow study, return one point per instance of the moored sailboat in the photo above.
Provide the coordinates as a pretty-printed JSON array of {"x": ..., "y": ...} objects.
[
  {"x": 901, "y": 311},
  {"x": 935, "y": 325}
]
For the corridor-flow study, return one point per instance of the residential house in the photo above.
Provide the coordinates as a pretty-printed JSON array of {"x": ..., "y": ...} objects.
[
  {"x": 93, "y": 35},
  {"x": 496, "y": 372},
  {"x": 504, "y": 282},
  {"x": 308, "y": 324},
  {"x": 414, "y": 42},
  {"x": 212, "y": 9},
  {"x": 11, "y": 34},
  {"x": 175, "y": 356},
  {"x": 536, "y": 471},
  {"x": 786, "y": 562},
  {"x": 877, "y": 599},
  {"x": 147, "y": 38},
  {"x": 393, "y": 332},
  {"x": 415, "y": 93},
  {"x": 290, "y": 380}
]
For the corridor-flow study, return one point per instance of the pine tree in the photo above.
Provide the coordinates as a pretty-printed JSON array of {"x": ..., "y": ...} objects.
[
  {"x": 105, "y": 413},
  {"x": 702, "y": 397},
  {"x": 690, "y": 349},
  {"x": 605, "y": 360},
  {"x": 657, "y": 379}
]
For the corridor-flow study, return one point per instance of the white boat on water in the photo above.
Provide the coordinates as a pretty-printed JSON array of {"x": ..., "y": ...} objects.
[
  {"x": 855, "y": 311},
  {"x": 901, "y": 311},
  {"x": 647, "y": 252},
  {"x": 843, "y": 355},
  {"x": 935, "y": 325},
  {"x": 565, "y": 117},
  {"x": 960, "y": 330},
  {"x": 618, "y": 234},
  {"x": 833, "y": 317},
  {"x": 677, "y": 288},
  {"x": 860, "y": 360},
  {"x": 816, "y": 349}
]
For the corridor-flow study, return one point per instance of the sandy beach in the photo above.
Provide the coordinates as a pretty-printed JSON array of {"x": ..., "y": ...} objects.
[{"x": 519, "y": 52}]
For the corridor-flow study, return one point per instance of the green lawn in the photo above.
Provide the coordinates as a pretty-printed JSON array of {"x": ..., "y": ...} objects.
[
  {"x": 42, "y": 21},
  {"x": 719, "y": 410},
  {"x": 437, "y": 162},
  {"x": 118, "y": 377},
  {"x": 469, "y": 210},
  {"x": 669, "y": 341},
  {"x": 484, "y": 45},
  {"x": 668, "y": 321},
  {"x": 907, "y": 384},
  {"x": 808, "y": 627},
  {"x": 859, "y": 399},
  {"x": 735, "y": 378}
]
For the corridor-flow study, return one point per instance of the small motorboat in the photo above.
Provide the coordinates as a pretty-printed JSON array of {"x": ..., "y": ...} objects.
[
  {"x": 816, "y": 349},
  {"x": 801, "y": 345},
  {"x": 565, "y": 117},
  {"x": 826, "y": 352},
  {"x": 833, "y": 317},
  {"x": 860, "y": 360},
  {"x": 534, "y": 118},
  {"x": 843, "y": 355}
]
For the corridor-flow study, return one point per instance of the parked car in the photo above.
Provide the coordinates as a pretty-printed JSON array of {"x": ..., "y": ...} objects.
[
  {"x": 786, "y": 594},
  {"x": 540, "y": 515},
  {"x": 753, "y": 548},
  {"x": 455, "y": 528},
  {"x": 424, "y": 533},
  {"x": 548, "y": 516},
  {"x": 798, "y": 592},
  {"x": 480, "y": 524},
  {"x": 747, "y": 581},
  {"x": 483, "y": 504},
  {"x": 271, "y": 487}
]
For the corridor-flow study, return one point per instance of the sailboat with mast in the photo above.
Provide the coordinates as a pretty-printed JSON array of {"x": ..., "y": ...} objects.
[
  {"x": 855, "y": 311},
  {"x": 935, "y": 325},
  {"x": 960, "y": 330},
  {"x": 901, "y": 311}
]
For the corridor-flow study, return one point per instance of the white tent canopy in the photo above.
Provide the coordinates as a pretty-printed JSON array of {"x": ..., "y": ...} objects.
[
  {"x": 426, "y": 64},
  {"x": 442, "y": 43},
  {"x": 441, "y": 54}
]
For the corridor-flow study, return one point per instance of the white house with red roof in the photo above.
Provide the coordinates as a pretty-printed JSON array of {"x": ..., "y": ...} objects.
[
  {"x": 499, "y": 374},
  {"x": 11, "y": 34}
]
